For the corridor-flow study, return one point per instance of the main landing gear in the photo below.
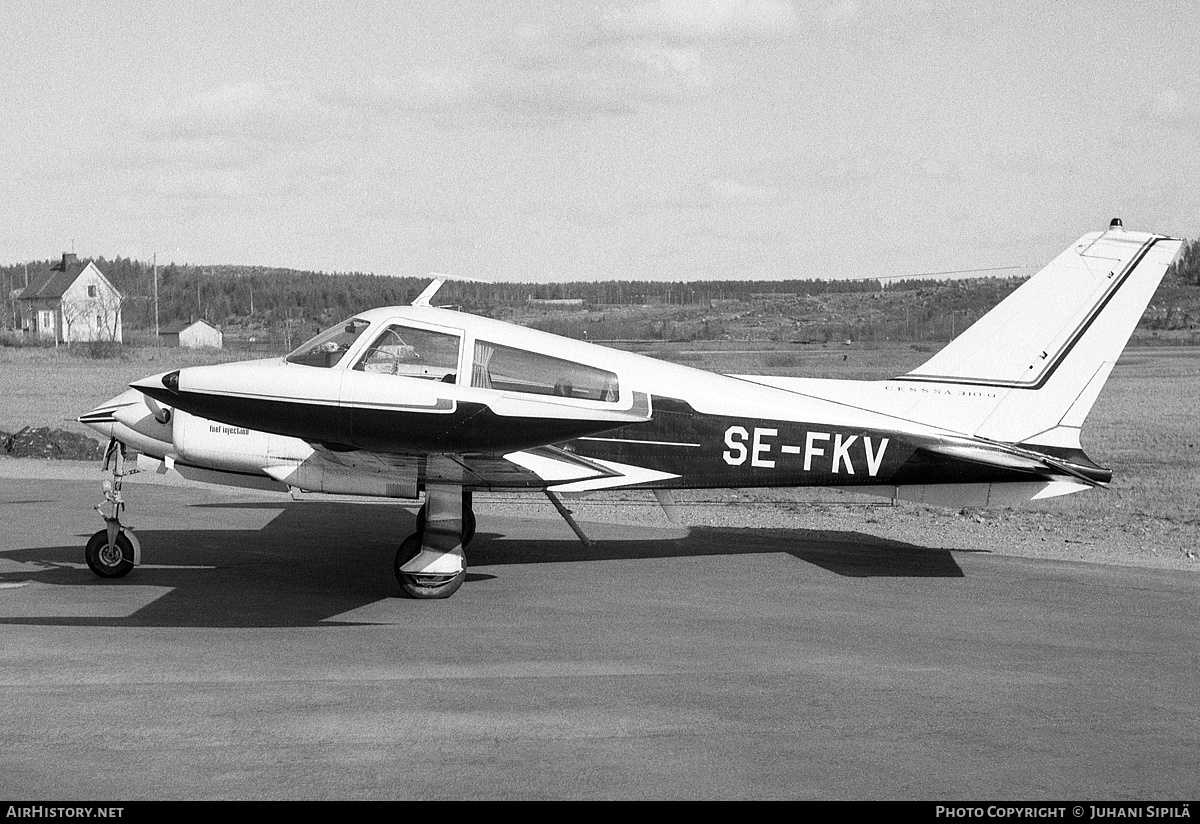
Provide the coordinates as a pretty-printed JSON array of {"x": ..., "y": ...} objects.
[
  {"x": 113, "y": 551},
  {"x": 431, "y": 563}
]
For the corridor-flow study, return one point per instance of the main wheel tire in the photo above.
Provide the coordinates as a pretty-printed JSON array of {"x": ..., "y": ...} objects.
[
  {"x": 109, "y": 563},
  {"x": 468, "y": 524},
  {"x": 424, "y": 586}
]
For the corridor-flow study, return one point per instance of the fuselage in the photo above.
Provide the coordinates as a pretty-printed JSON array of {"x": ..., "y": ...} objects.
[{"x": 482, "y": 387}]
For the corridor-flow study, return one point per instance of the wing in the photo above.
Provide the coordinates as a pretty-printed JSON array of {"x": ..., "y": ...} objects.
[{"x": 359, "y": 472}]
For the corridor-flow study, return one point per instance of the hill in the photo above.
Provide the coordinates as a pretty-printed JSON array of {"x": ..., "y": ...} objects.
[{"x": 284, "y": 305}]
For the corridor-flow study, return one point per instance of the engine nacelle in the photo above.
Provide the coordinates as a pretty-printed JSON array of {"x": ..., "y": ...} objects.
[
  {"x": 220, "y": 446},
  {"x": 290, "y": 461}
]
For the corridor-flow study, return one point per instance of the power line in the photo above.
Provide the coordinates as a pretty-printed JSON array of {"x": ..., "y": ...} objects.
[{"x": 953, "y": 272}]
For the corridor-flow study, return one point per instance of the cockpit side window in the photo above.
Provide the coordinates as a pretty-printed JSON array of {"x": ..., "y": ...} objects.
[
  {"x": 327, "y": 348},
  {"x": 413, "y": 353},
  {"x": 517, "y": 370}
]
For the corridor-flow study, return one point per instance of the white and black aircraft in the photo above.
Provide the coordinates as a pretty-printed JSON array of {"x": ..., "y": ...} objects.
[{"x": 401, "y": 401}]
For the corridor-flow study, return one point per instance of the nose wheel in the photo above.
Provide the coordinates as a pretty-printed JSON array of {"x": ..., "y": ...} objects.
[{"x": 109, "y": 558}]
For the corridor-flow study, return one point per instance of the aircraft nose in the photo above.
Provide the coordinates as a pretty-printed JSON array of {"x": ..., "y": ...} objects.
[{"x": 105, "y": 415}]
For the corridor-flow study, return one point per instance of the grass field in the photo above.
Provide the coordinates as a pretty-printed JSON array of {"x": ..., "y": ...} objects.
[
  {"x": 1146, "y": 424},
  {"x": 51, "y": 387}
]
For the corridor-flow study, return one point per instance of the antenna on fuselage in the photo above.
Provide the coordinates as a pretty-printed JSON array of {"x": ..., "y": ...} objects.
[{"x": 426, "y": 296}]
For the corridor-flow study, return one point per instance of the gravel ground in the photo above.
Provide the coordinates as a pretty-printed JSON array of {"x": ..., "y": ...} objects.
[
  {"x": 1144, "y": 542},
  {"x": 1031, "y": 533}
]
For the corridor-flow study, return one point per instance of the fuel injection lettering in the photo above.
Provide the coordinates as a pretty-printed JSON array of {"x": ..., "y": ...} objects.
[{"x": 830, "y": 451}]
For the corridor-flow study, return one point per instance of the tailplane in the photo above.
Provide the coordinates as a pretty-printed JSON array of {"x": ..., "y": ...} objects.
[{"x": 1045, "y": 352}]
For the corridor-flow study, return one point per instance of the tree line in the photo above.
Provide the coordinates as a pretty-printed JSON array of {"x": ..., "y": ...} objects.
[{"x": 271, "y": 297}]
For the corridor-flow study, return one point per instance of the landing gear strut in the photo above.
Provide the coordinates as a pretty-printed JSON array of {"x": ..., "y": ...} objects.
[
  {"x": 431, "y": 562},
  {"x": 468, "y": 519},
  {"x": 113, "y": 551}
]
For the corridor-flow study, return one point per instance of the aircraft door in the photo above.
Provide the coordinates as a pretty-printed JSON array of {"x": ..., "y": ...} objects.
[{"x": 400, "y": 384}]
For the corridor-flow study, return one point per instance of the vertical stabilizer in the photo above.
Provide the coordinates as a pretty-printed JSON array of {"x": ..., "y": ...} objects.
[{"x": 1045, "y": 352}]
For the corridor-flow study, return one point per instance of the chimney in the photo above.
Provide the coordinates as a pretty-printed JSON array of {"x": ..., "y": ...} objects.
[{"x": 68, "y": 261}]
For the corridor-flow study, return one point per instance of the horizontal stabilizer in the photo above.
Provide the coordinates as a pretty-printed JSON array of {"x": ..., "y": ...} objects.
[
  {"x": 1001, "y": 456},
  {"x": 980, "y": 496}
]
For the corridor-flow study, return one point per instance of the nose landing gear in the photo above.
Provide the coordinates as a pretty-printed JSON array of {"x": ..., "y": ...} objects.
[{"x": 113, "y": 551}]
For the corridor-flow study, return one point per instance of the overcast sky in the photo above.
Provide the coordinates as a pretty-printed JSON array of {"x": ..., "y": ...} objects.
[{"x": 645, "y": 139}]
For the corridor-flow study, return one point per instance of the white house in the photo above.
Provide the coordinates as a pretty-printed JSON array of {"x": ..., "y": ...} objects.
[
  {"x": 72, "y": 302},
  {"x": 193, "y": 335}
]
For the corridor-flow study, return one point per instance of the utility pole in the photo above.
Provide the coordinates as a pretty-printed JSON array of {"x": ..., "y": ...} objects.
[{"x": 157, "y": 338}]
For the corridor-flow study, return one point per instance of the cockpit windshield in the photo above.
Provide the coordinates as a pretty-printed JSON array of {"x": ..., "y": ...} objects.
[{"x": 327, "y": 348}]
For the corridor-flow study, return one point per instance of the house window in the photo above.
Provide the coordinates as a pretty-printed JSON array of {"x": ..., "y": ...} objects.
[
  {"x": 45, "y": 320},
  {"x": 91, "y": 291}
]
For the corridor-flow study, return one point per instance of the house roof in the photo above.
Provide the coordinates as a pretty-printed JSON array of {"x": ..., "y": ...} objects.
[
  {"x": 179, "y": 326},
  {"x": 52, "y": 283},
  {"x": 55, "y": 281}
]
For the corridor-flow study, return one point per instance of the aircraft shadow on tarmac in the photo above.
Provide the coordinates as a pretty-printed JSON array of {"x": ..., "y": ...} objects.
[{"x": 315, "y": 561}]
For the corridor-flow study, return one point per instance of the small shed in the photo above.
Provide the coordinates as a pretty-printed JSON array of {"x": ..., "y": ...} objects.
[{"x": 192, "y": 335}]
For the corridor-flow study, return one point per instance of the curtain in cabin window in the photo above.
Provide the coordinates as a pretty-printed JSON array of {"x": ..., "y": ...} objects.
[{"x": 480, "y": 376}]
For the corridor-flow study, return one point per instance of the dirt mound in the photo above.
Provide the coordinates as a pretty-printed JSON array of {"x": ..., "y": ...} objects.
[{"x": 50, "y": 443}]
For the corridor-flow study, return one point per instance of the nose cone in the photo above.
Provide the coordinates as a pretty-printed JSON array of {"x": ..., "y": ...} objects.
[
  {"x": 104, "y": 416},
  {"x": 136, "y": 421}
]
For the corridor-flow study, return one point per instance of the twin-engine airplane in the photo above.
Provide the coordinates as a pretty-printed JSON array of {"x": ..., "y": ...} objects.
[{"x": 403, "y": 400}]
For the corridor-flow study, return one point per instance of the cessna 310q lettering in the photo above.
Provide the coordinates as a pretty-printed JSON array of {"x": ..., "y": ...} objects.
[{"x": 403, "y": 400}]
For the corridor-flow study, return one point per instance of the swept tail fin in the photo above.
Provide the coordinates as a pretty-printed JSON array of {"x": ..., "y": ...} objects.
[{"x": 1045, "y": 351}]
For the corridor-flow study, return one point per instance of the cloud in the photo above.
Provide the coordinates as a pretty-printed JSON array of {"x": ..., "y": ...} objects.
[
  {"x": 491, "y": 96},
  {"x": 536, "y": 79},
  {"x": 604, "y": 65},
  {"x": 1174, "y": 110},
  {"x": 701, "y": 19},
  {"x": 607, "y": 65},
  {"x": 839, "y": 13},
  {"x": 729, "y": 192},
  {"x": 717, "y": 195},
  {"x": 276, "y": 112},
  {"x": 232, "y": 142}
]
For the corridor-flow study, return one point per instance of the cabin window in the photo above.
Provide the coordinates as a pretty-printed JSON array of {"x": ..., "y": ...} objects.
[
  {"x": 327, "y": 348},
  {"x": 414, "y": 353},
  {"x": 91, "y": 291},
  {"x": 516, "y": 370}
]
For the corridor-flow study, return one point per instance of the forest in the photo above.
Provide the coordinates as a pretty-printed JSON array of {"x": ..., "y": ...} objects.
[{"x": 276, "y": 301}]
